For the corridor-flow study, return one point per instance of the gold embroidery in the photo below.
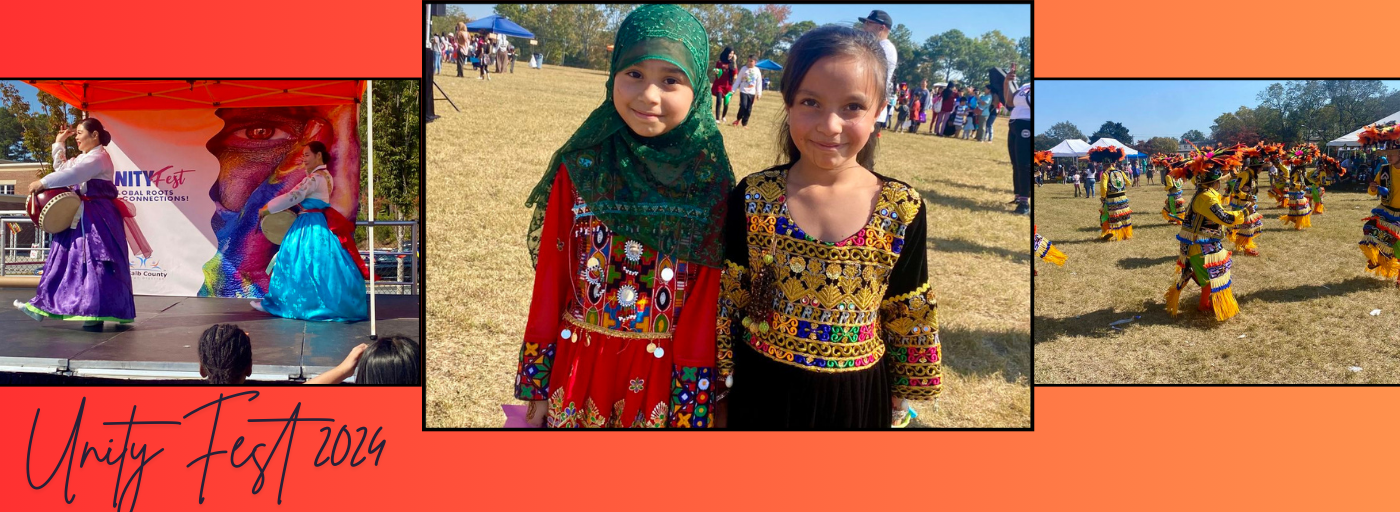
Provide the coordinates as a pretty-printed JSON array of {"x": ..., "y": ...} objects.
[
  {"x": 616, "y": 334},
  {"x": 832, "y": 292}
]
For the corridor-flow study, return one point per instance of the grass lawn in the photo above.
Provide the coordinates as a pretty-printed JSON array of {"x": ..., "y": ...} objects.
[
  {"x": 483, "y": 161},
  {"x": 1304, "y": 302}
]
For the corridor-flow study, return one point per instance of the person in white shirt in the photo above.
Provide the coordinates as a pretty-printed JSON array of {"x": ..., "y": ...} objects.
[
  {"x": 86, "y": 275},
  {"x": 749, "y": 83},
  {"x": 878, "y": 24},
  {"x": 1018, "y": 142}
]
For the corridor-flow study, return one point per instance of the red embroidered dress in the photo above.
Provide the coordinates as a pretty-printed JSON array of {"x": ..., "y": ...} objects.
[{"x": 618, "y": 335}]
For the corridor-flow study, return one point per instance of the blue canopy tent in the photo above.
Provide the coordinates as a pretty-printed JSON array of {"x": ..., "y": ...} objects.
[
  {"x": 1139, "y": 155},
  {"x": 499, "y": 25},
  {"x": 769, "y": 65}
]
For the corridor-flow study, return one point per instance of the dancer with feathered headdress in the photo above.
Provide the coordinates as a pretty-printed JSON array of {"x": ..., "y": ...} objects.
[
  {"x": 1203, "y": 257},
  {"x": 1380, "y": 241},
  {"x": 1115, "y": 217},
  {"x": 1176, "y": 205},
  {"x": 1299, "y": 208},
  {"x": 1326, "y": 172},
  {"x": 1243, "y": 192}
]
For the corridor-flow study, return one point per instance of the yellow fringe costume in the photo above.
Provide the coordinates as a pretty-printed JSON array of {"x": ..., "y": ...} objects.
[
  {"x": 1176, "y": 205},
  {"x": 1045, "y": 250},
  {"x": 1244, "y": 197},
  {"x": 1203, "y": 257},
  {"x": 1277, "y": 188},
  {"x": 1299, "y": 208},
  {"x": 1115, "y": 217},
  {"x": 1317, "y": 180},
  {"x": 1380, "y": 241}
]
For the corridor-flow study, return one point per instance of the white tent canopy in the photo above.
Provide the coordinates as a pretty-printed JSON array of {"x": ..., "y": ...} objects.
[
  {"x": 1070, "y": 148},
  {"x": 1350, "y": 139},
  {"x": 1109, "y": 141}
]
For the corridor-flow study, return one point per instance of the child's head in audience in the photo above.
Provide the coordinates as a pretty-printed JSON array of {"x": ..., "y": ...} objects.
[
  {"x": 390, "y": 360},
  {"x": 225, "y": 354}
]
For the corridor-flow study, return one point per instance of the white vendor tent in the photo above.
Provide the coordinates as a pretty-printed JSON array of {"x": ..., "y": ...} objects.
[
  {"x": 1109, "y": 141},
  {"x": 1349, "y": 140},
  {"x": 1070, "y": 148}
]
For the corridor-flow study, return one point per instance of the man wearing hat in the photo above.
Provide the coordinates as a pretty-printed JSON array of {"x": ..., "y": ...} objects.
[{"x": 878, "y": 24}]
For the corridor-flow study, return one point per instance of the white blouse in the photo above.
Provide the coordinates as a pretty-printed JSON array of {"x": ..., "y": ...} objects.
[
  {"x": 93, "y": 164},
  {"x": 1021, "y": 107},
  {"x": 316, "y": 185}
]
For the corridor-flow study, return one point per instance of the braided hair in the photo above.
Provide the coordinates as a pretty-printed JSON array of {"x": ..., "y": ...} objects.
[{"x": 225, "y": 353}]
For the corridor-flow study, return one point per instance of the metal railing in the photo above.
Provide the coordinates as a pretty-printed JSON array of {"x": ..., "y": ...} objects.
[
  {"x": 9, "y": 250},
  {"x": 411, "y": 254},
  {"x": 9, "y": 244}
]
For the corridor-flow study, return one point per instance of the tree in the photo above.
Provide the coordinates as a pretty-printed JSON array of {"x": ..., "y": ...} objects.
[
  {"x": 448, "y": 24},
  {"x": 947, "y": 51},
  {"x": 1063, "y": 130},
  {"x": 1240, "y": 127},
  {"x": 906, "y": 67},
  {"x": 1166, "y": 145},
  {"x": 39, "y": 128},
  {"x": 1113, "y": 130},
  {"x": 1023, "y": 47},
  {"x": 11, "y": 137},
  {"x": 396, "y": 159},
  {"x": 1196, "y": 137},
  {"x": 990, "y": 50}
]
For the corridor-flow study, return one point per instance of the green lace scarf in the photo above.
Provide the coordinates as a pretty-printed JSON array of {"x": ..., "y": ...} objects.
[{"x": 667, "y": 192}]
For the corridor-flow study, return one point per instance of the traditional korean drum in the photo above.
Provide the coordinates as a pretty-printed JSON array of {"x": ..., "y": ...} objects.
[
  {"x": 52, "y": 209},
  {"x": 275, "y": 225}
]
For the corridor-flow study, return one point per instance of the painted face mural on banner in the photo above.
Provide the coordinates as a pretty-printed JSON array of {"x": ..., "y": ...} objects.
[{"x": 260, "y": 156}]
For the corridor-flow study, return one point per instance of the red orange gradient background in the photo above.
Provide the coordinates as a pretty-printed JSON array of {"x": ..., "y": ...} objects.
[{"x": 1093, "y": 448}]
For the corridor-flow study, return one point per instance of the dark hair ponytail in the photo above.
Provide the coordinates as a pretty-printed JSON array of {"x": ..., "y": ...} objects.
[
  {"x": 319, "y": 148},
  {"x": 392, "y": 360},
  {"x": 93, "y": 125},
  {"x": 828, "y": 41}
]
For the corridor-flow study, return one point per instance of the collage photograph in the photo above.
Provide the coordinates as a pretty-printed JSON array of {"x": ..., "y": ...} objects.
[
  {"x": 642, "y": 240},
  {"x": 1269, "y": 204},
  {"x": 209, "y": 231}
]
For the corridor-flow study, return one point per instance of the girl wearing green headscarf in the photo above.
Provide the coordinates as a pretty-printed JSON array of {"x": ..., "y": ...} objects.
[{"x": 626, "y": 239}]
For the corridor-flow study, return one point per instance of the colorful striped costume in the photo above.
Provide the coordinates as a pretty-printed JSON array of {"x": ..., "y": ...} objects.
[
  {"x": 1176, "y": 205},
  {"x": 1380, "y": 241},
  {"x": 1115, "y": 217},
  {"x": 1043, "y": 249},
  {"x": 1243, "y": 197},
  {"x": 1299, "y": 208},
  {"x": 1203, "y": 257}
]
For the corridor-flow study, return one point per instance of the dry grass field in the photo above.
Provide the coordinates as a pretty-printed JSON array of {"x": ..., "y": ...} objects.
[
  {"x": 483, "y": 161},
  {"x": 1305, "y": 302}
]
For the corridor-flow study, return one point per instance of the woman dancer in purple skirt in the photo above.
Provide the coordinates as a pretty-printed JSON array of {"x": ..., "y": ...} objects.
[{"x": 86, "y": 275}]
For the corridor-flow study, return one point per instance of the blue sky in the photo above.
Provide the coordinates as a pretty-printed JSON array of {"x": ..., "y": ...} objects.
[
  {"x": 923, "y": 20},
  {"x": 1148, "y": 108}
]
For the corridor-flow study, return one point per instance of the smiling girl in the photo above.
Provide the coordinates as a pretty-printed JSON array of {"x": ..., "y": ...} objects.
[
  {"x": 826, "y": 317},
  {"x": 628, "y": 220}
]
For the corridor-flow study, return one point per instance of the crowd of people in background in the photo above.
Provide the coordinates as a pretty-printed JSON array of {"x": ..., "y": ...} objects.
[
  {"x": 1086, "y": 174},
  {"x": 485, "y": 53},
  {"x": 951, "y": 110}
]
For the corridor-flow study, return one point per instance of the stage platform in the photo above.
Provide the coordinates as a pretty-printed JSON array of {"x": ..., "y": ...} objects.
[{"x": 163, "y": 342}]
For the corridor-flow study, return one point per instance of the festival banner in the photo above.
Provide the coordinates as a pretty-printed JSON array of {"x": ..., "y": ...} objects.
[{"x": 197, "y": 178}]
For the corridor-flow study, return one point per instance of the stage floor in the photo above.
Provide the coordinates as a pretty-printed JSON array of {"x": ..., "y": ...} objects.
[{"x": 163, "y": 342}]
